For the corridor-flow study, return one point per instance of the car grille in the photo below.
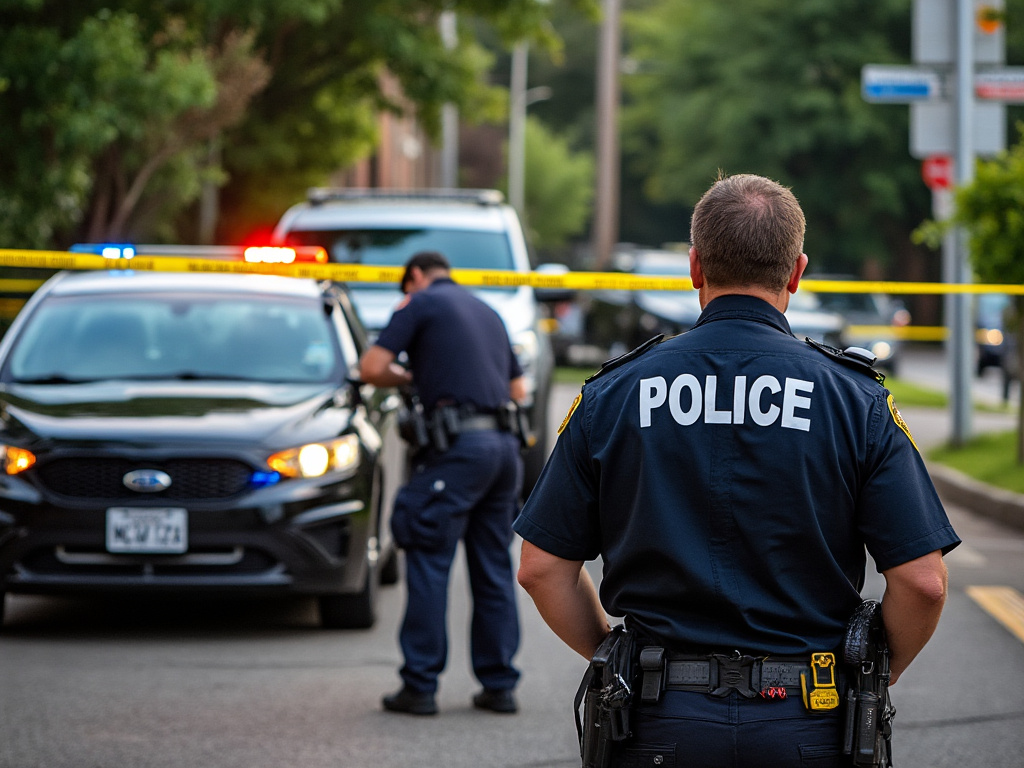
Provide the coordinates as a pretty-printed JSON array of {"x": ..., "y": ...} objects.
[{"x": 102, "y": 478}]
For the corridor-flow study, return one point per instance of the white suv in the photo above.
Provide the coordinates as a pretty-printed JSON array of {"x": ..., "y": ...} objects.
[{"x": 474, "y": 229}]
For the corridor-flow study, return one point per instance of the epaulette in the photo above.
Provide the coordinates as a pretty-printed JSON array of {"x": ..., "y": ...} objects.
[
  {"x": 857, "y": 358},
  {"x": 633, "y": 354}
]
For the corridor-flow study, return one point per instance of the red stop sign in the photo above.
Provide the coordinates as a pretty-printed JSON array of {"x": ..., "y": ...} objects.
[{"x": 937, "y": 172}]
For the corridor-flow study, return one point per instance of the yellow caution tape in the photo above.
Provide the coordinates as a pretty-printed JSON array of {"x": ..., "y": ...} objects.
[{"x": 476, "y": 277}]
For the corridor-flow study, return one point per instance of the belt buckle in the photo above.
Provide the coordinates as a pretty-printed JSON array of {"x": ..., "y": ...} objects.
[{"x": 735, "y": 673}]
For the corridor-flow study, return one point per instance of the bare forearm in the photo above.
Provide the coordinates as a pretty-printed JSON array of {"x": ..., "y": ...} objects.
[
  {"x": 914, "y": 596},
  {"x": 566, "y": 598},
  {"x": 378, "y": 367}
]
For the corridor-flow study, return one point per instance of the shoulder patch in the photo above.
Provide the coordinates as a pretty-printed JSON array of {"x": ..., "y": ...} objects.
[
  {"x": 572, "y": 410},
  {"x": 852, "y": 357},
  {"x": 621, "y": 360},
  {"x": 899, "y": 420}
]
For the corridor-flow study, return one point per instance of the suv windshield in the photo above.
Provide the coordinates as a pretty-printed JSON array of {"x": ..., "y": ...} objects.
[
  {"x": 464, "y": 249},
  {"x": 174, "y": 336}
]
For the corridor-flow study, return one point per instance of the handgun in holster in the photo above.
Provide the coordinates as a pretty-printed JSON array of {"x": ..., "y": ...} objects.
[
  {"x": 867, "y": 735},
  {"x": 606, "y": 695},
  {"x": 412, "y": 421},
  {"x": 512, "y": 418}
]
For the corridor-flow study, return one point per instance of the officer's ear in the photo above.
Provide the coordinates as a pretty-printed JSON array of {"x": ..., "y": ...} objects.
[
  {"x": 798, "y": 272},
  {"x": 696, "y": 271}
]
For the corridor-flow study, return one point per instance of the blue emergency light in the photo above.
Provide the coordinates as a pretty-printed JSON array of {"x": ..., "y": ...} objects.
[{"x": 106, "y": 250}]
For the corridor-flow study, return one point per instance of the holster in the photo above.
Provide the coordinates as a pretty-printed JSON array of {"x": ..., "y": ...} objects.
[
  {"x": 513, "y": 419},
  {"x": 867, "y": 735},
  {"x": 606, "y": 695},
  {"x": 412, "y": 422}
]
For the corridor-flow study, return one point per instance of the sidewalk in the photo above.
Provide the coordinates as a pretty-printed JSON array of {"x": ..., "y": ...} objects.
[{"x": 931, "y": 427}]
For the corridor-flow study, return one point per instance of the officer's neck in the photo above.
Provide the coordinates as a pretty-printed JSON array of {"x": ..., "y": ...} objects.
[{"x": 779, "y": 300}]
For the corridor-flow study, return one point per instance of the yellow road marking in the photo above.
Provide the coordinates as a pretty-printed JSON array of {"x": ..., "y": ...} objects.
[{"x": 1004, "y": 604}]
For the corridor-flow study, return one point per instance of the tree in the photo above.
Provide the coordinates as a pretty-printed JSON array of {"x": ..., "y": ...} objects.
[
  {"x": 991, "y": 208},
  {"x": 559, "y": 187},
  {"x": 111, "y": 107},
  {"x": 773, "y": 87}
]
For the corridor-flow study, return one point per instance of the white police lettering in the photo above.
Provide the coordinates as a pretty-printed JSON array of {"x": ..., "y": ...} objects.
[{"x": 687, "y": 402}]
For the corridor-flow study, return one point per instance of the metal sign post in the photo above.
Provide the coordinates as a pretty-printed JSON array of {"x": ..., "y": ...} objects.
[{"x": 958, "y": 60}]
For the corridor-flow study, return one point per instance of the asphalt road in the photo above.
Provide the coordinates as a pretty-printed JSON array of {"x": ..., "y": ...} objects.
[{"x": 162, "y": 683}]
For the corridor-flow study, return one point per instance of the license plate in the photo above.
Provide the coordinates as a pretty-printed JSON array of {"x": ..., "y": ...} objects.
[{"x": 161, "y": 530}]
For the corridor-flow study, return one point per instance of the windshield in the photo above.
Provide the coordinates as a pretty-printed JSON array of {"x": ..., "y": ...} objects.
[
  {"x": 805, "y": 301},
  {"x": 175, "y": 336},
  {"x": 464, "y": 249},
  {"x": 668, "y": 268},
  {"x": 849, "y": 302}
]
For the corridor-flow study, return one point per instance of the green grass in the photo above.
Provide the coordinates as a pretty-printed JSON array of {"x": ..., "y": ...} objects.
[
  {"x": 911, "y": 395},
  {"x": 565, "y": 375},
  {"x": 990, "y": 458}
]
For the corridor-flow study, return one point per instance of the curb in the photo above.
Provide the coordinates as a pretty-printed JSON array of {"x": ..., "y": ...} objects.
[{"x": 996, "y": 503}]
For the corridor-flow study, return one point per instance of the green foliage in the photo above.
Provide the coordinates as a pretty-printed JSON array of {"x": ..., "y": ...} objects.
[
  {"x": 991, "y": 207},
  {"x": 988, "y": 458},
  {"x": 559, "y": 187},
  {"x": 773, "y": 87},
  {"x": 117, "y": 109}
]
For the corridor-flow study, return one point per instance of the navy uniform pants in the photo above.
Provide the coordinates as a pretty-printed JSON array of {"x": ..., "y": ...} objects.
[
  {"x": 469, "y": 493},
  {"x": 695, "y": 730}
]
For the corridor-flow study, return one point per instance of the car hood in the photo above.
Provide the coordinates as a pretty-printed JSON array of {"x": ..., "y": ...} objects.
[
  {"x": 171, "y": 411},
  {"x": 679, "y": 307},
  {"x": 817, "y": 325},
  {"x": 516, "y": 308}
]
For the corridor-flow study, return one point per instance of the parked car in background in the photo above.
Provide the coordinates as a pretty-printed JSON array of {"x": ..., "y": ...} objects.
[
  {"x": 872, "y": 321},
  {"x": 473, "y": 229},
  {"x": 195, "y": 433},
  {"x": 620, "y": 320},
  {"x": 996, "y": 345},
  {"x": 990, "y": 330}
]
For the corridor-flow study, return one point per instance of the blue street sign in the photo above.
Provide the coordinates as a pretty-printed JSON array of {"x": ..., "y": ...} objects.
[{"x": 900, "y": 85}]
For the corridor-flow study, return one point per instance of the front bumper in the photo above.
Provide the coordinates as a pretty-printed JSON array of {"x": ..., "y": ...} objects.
[{"x": 301, "y": 537}]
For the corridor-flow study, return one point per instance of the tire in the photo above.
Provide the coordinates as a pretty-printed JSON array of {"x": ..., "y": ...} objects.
[
  {"x": 354, "y": 611},
  {"x": 389, "y": 572},
  {"x": 535, "y": 458},
  {"x": 3, "y": 603}
]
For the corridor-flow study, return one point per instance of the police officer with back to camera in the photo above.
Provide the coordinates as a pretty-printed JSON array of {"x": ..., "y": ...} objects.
[
  {"x": 465, "y": 482},
  {"x": 731, "y": 479}
]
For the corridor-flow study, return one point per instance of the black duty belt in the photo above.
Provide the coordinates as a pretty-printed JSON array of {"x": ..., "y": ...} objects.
[
  {"x": 480, "y": 422},
  {"x": 718, "y": 674}
]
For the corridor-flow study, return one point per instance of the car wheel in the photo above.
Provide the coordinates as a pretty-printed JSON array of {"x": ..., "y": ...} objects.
[
  {"x": 535, "y": 457},
  {"x": 355, "y": 611},
  {"x": 389, "y": 568}
]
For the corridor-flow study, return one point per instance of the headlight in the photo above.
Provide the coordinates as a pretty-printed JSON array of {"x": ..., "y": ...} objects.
[
  {"x": 882, "y": 350},
  {"x": 15, "y": 460},
  {"x": 317, "y": 459},
  {"x": 527, "y": 348}
]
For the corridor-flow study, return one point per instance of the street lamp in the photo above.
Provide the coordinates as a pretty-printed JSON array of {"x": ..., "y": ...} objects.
[{"x": 519, "y": 99}]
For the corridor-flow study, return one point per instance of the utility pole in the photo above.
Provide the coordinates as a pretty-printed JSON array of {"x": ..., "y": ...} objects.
[
  {"x": 606, "y": 206},
  {"x": 517, "y": 126},
  {"x": 960, "y": 350},
  {"x": 449, "y": 175}
]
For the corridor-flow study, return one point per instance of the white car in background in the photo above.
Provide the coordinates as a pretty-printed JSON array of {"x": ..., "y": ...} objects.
[{"x": 473, "y": 229}]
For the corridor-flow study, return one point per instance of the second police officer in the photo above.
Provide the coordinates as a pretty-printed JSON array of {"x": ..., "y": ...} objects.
[
  {"x": 730, "y": 479},
  {"x": 464, "y": 486}
]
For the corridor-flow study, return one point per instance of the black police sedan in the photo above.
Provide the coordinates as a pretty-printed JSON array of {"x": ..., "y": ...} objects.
[{"x": 195, "y": 432}]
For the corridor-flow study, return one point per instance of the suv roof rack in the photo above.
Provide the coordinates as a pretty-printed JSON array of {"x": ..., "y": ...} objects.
[{"x": 321, "y": 195}]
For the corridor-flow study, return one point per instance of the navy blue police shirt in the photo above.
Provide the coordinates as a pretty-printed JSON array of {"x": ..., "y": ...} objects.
[
  {"x": 730, "y": 478},
  {"x": 458, "y": 347}
]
